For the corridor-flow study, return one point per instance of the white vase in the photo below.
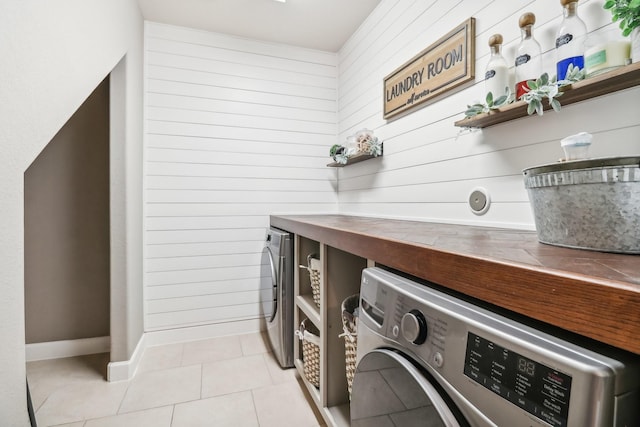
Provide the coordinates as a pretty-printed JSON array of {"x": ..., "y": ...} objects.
[{"x": 635, "y": 45}]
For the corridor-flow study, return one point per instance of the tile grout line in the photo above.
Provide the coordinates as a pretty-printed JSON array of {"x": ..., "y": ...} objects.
[
  {"x": 124, "y": 395},
  {"x": 173, "y": 413},
  {"x": 255, "y": 409},
  {"x": 201, "y": 379}
]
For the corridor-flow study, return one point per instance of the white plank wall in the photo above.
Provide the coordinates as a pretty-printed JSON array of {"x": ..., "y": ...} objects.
[
  {"x": 235, "y": 130},
  {"x": 239, "y": 129},
  {"x": 429, "y": 166}
]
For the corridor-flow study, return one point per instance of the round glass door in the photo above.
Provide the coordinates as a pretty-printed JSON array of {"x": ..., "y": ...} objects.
[
  {"x": 388, "y": 390},
  {"x": 269, "y": 280}
]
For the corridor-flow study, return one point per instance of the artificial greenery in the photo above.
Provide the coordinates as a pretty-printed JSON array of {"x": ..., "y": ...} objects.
[
  {"x": 625, "y": 11},
  {"x": 373, "y": 146},
  {"x": 574, "y": 74},
  {"x": 543, "y": 87},
  {"x": 490, "y": 104},
  {"x": 339, "y": 154},
  {"x": 537, "y": 90}
]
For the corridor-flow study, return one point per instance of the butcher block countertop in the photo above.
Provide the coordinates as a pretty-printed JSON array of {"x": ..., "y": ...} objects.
[{"x": 593, "y": 294}]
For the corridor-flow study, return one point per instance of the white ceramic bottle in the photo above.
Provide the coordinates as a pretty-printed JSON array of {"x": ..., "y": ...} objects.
[
  {"x": 528, "y": 56},
  {"x": 496, "y": 77}
]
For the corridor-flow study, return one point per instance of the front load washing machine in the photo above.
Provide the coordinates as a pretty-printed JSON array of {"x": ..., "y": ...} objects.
[
  {"x": 426, "y": 358},
  {"x": 277, "y": 275}
]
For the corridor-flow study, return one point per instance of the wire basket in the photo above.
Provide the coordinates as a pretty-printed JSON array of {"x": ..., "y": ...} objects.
[
  {"x": 310, "y": 337},
  {"x": 350, "y": 326},
  {"x": 313, "y": 267}
]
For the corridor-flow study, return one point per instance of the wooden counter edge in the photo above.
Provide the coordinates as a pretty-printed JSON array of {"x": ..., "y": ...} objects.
[{"x": 603, "y": 310}]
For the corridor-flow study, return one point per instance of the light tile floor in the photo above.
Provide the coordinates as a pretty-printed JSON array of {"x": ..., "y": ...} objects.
[{"x": 229, "y": 381}]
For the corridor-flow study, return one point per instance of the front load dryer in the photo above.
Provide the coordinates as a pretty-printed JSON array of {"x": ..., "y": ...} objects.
[{"x": 277, "y": 276}]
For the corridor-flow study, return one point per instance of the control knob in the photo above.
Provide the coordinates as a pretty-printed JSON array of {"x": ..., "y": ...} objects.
[{"x": 414, "y": 327}]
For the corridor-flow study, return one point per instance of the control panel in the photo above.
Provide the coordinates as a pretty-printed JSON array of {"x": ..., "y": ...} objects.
[
  {"x": 538, "y": 389},
  {"x": 406, "y": 320}
]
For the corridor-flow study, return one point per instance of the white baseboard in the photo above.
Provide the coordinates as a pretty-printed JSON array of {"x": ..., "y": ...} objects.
[
  {"x": 126, "y": 369},
  {"x": 67, "y": 348},
  {"x": 194, "y": 333}
]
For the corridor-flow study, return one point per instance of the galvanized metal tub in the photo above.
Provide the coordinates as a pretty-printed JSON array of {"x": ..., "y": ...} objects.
[{"x": 588, "y": 204}]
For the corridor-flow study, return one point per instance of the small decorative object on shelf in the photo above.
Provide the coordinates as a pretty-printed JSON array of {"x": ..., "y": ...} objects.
[
  {"x": 361, "y": 146},
  {"x": 496, "y": 76},
  {"x": 367, "y": 143},
  {"x": 610, "y": 50},
  {"x": 528, "y": 63},
  {"x": 570, "y": 39},
  {"x": 339, "y": 154},
  {"x": 628, "y": 13}
]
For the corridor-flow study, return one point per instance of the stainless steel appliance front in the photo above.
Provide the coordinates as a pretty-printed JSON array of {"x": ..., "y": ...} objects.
[
  {"x": 277, "y": 275},
  {"x": 447, "y": 362}
]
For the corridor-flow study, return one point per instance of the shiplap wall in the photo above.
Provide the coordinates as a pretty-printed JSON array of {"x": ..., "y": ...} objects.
[
  {"x": 239, "y": 129},
  {"x": 429, "y": 167},
  {"x": 235, "y": 130}
]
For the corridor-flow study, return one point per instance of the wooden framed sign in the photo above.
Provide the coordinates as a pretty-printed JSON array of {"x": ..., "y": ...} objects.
[{"x": 447, "y": 63}]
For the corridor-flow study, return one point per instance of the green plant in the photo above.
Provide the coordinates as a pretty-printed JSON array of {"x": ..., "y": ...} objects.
[
  {"x": 339, "y": 154},
  {"x": 539, "y": 89},
  {"x": 490, "y": 104},
  {"x": 373, "y": 146},
  {"x": 543, "y": 87},
  {"x": 574, "y": 74},
  {"x": 625, "y": 11}
]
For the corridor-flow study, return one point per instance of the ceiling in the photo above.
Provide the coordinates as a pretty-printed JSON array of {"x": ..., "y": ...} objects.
[{"x": 316, "y": 24}]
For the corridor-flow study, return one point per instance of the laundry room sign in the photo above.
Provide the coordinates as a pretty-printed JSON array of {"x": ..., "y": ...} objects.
[{"x": 447, "y": 63}]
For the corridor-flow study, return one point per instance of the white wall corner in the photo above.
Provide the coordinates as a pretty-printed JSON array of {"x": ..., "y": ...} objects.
[{"x": 126, "y": 369}]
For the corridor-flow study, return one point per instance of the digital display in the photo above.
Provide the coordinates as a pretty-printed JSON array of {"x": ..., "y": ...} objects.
[
  {"x": 532, "y": 386},
  {"x": 526, "y": 367}
]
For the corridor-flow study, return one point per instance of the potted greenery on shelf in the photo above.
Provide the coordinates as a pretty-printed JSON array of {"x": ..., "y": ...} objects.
[
  {"x": 628, "y": 13},
  {"x": 339, "y": 154},
  {"x": 363, "y": 142}
]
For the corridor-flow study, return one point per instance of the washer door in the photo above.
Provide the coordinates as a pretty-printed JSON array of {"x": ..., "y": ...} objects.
[
  {"x": 269, "y": 277},
  {"x": 388, "y": 390}
]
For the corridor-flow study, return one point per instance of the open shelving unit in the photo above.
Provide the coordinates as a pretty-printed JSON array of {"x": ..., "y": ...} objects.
[
  {"x": 602, "y": 84},
  {"x": 339, "y": 279}
]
